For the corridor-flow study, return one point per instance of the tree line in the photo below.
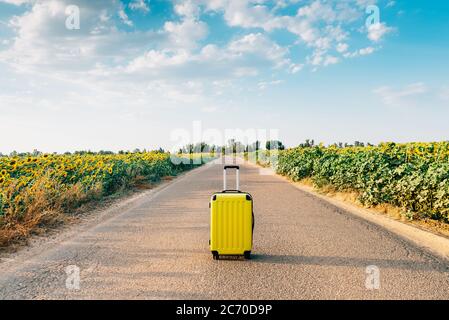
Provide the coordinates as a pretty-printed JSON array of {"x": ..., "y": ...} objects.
[{"x": 233, "y": 146}]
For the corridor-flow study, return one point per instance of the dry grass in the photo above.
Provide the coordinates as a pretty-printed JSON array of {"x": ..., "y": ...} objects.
[
  {"x": 142, "y": 183},
  {"x": 40, "y": 208},
  {"x": 46, "y": 206},
  {"x": 16, "y": 231}
]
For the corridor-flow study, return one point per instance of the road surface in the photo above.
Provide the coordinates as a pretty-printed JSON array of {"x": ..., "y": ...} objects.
[{"x": 157, "y": 248}]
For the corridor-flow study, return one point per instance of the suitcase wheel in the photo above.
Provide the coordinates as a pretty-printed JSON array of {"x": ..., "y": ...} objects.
[
  {"x": 215, "y": 255},
  {"x": 247, "y": 255}
]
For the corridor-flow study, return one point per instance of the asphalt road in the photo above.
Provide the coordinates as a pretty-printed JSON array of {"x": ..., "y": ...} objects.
[{"x": 157, "y": 248}]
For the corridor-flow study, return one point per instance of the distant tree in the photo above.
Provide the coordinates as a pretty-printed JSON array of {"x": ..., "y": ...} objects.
[
  {"x": 308, "y": 144},
  {"x": 238, "y": 147},
  {"x": 274, "y": 145},
  {"x": 232, "y": 146},
  {"x": 201, "y": 147},
  {"x": 104, "y": 152},
  {"x": 36, "y": 153},
  {"x": 254, "y": 146}
]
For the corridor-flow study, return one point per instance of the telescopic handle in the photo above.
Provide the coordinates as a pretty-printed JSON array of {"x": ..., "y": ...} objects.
[
  {"x": 232, "y": 167},
  {"x": 237, "y": 177}
]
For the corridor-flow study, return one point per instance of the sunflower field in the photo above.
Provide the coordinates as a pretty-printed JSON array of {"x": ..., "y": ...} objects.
[
  {"x": 412, "y": 176},
  {"x": 37, "y": 191}
]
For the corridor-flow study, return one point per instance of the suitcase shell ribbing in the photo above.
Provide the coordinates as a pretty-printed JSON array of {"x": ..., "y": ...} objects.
[{"x": 231, "y": 221}]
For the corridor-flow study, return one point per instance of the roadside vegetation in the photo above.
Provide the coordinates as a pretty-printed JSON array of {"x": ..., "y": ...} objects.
[
  {"x": 413, "y": 177},
  {"x": 40, "y": 191}
]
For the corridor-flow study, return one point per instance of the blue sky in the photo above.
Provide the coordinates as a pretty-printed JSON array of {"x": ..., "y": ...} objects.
[{"x": 138, "y": 73}]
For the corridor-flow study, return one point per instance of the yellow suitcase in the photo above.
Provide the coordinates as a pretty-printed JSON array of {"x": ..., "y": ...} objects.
[{"x": 231, "y": 221}]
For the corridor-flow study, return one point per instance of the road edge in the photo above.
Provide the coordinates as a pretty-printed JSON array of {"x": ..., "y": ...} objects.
[{"x": 433, "y": 243}]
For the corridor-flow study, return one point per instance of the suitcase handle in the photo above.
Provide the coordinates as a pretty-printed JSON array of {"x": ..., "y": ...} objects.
[
  {"x": 232, "y": 167},
  {"x": 236, "y": 178}
]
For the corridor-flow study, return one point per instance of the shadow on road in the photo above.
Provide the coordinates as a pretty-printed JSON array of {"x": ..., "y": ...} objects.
[{"x": 345, "y": 262}]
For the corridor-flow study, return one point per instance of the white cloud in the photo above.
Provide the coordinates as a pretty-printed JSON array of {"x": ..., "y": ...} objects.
[
  {"x": 187, "y": 8},
  {"x": 377, "y": 31},
  {"x": 241, "y": 72},
  {"x": 242, "y": 57},
  {"x": 295, "y": 67},
  {"x": 318, "y": 24},
  {"x": 366, "y": 51},
  {"x": 108, "y": 59},
  {"x": 154, "y": 59},
  {"x": 185, "y": 34},
  {"x": 342, "y": 47},
  {"x": 260, "y": 45},
  {"x": 242, "y": 13},
  {"x": 281, "y": 4},
  {"x": 321, "y": 58},
  {"x": 17, "y": 2},
  {"x": 318, "y": 10},
  {"x": 361, "y": 52},
  {"x": 265, "y": 84},
  {"x": 393, "y": 97},
  {"x": 141, "y": 5},
  {"x": 41, "y": 40},
  {"x": 124, "y": 17},
  {"x": 329, "y": 60}
]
